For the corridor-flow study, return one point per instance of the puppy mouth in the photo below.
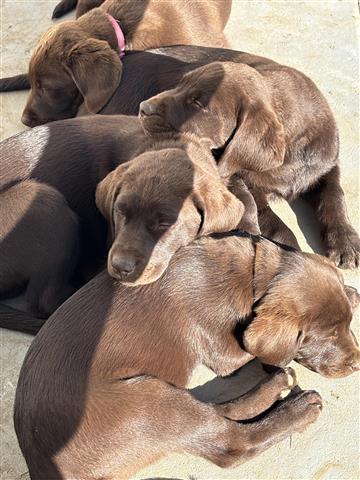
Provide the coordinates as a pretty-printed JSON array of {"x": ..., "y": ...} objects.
[
  {"x": 155, "y": 123},
  {"x": 149, "y": 275}
]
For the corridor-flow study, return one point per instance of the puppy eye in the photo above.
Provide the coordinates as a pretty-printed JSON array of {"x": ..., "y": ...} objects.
[
  {"x": 163, "y": 225},
  {"x": 160, "y": 225},
  {"x": 195, "y": 101}
]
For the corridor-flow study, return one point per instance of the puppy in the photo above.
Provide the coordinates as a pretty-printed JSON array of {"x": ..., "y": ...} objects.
[
  {"x": 53, "y": 238},
  {"x": 156, "y": 204},
  {"x": 80, "y": 61},
  {"x": 270, "y": 125},
  {"x": 108, "y": 371}
]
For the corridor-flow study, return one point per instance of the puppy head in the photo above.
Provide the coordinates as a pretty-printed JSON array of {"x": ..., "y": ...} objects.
[
  {"x": 157, "y": 203},
  {"x": 193, "y": 106},
  {"x": 304, "y": 315},
  {"x": 68, "y": 68},
  {"x": 214, "y": 102}
]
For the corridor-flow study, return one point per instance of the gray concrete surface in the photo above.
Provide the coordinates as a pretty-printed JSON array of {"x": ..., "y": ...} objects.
[{"x": 321, "y": 39}]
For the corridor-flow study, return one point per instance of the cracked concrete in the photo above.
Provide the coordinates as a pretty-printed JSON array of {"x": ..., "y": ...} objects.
[{"x": 321, "y": 39}]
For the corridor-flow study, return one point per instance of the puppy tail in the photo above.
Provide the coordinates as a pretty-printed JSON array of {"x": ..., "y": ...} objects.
[
  {"x": 17, "y": 82},
  {"x": 12, "y": 319},
  {"x": 64, "y": 7}
]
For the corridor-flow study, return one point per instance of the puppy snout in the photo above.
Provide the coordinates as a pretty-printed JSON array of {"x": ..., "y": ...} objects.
[
  {"x": 147, "y": 109},
  {"x": 29, "y": 119},
  {"x": 123, "y": 266}
]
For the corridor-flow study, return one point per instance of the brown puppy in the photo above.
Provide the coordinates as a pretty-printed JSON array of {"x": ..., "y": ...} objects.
[
  {"x": 112, "y": 362},
  {"x": 78, "y": 61},
  {"x": 274, "y": 128},
  {"x": 158, "y": 203},
  {"x": 39, "y": 246},
  {"x": 53, "y": 238}
]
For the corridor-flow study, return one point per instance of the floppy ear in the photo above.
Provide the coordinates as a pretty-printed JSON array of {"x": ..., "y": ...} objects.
[
  {"x": 222, "y": 211},
  {"x": 258, "y": 143},
  {"x": 272, "y": 336},
  {"x": 107, "y": 191},
  {"x": 353, "y": 296},
  {"x": 96, "y": 70}
]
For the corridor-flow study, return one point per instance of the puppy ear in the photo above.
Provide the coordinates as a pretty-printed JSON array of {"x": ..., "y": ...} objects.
[
  {"x": 273, "y": 336},
  {"x": 353, "y": 296},
  {"x": 258, "y": 143},
  {"x": 96, "y": 70},
  {"x": 221, "y": 210},
  {"x": 107, "y": 191}
]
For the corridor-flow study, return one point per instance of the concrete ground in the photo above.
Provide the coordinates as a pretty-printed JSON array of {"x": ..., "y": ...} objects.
[{"x": 319, "y": 38}]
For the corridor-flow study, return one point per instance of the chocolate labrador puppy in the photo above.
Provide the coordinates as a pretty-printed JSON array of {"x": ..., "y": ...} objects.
[
  {"x": 80, "y": 61},
  {"x": 157, "y": 203},
  {"x": 271, "y": 125},
  {"x": 107, "y": 373},
  {"x": 53, "y": 238}
]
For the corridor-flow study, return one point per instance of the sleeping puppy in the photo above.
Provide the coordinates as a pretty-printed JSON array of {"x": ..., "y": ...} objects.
[
  {"x": 270, "y": 125},
  {"x": 108, "y": 371},
  {"x": 80, "y": 61},
  {"x": 156, "y": 204},
  {"x": 52, "y": 236}
]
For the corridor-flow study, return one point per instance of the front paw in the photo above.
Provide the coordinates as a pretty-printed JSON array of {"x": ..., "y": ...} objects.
[
  {"x": 302, "y": 409},
  {"x": 343, "y": 246}
]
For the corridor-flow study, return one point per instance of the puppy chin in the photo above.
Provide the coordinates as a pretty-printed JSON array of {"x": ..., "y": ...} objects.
[
  {"x": 335, "y": 372},
  {"x": 149, "y": 275},
  {"x": 153, "y": 126}
]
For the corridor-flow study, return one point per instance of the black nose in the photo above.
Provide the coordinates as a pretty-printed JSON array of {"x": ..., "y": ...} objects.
[
  {"x": 123, "y": 266},
  {"x": 147, "y": 109},
  {"x": 29, "y": 119}
]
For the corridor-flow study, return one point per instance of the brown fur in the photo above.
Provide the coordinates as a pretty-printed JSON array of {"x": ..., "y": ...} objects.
[
  {"x": 121, "y": 358},
  {"x": 78, "y": 61},
  {"x": 39, "y": 246},
  {"x": 48, "y": 178},
  {"x": 273, "y": 128},
  {"x": 156, "y": 204}
]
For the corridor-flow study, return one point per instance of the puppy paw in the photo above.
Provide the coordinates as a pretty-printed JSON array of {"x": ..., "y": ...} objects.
[
  {"x": 303, "y": 409},
  {"x": 343, "y": 246}
]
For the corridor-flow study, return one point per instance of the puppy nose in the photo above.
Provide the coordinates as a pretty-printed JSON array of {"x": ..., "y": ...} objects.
[
  {"x": 124, "y": 266},
  {"x": 147, "y": 109},
  {"x": 29, "y": 119}
]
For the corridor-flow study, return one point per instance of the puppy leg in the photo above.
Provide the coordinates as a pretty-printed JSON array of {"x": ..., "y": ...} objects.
[
  {"x": 341, "y": 240},
  {"x": 271, "y": 226},
  {"x": 261, "y": 397},
  {"x": 39, "y": 245},
  {"x": 63, "y": 7},
  {"x": 144, "y": 419},
  {"x": 249, "y": 222},
  {"x": 85, "y": 6}
]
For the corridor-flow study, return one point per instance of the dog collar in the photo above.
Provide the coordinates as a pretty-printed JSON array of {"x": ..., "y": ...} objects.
[{"x": 119, "y": 35}]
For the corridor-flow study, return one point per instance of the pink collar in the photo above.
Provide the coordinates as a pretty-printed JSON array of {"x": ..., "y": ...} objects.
[{"x": 119, "y": 35}]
